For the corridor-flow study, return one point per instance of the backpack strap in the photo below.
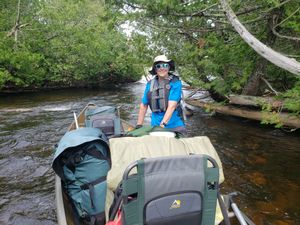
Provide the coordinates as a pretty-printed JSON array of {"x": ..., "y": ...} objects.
[
  {"x": 98, "y": 219},
  {"x": 98, "y": 155},
  {"x": 90, "y": 186},
  {"x": 70, "y": 160},
  {"x": 116, "y": 203}
]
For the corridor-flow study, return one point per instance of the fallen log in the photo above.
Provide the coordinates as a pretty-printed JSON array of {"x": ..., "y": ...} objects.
[
  {"x": 281, "y": 118},
  {"x": 247, "y": 100}
]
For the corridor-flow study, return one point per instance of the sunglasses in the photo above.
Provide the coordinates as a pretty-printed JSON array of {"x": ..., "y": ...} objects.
[{"x": 162, "y": 65}]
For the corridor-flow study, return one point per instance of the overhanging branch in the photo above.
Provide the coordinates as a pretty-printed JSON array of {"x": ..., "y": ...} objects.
[
  {"x": 273, "y": 28},
  {"x": 274, "y": 57}
]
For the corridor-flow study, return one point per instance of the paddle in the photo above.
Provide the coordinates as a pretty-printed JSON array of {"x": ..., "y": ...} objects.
[{"x": 75, "y": 119}]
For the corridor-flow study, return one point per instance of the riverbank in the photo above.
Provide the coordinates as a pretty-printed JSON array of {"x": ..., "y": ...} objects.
[{"x": 106, "y": 86}]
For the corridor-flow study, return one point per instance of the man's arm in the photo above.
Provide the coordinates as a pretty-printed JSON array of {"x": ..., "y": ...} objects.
[
  {"x": 142, "y": 113},
  {"x": 171, "y": 108}
]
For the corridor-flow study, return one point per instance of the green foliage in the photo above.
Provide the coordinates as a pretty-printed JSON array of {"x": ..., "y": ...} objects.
[
  {"x": 4, "y": 77},
  {"x": 64, "y": 43},
  {"x": 292, "y": 98},
  {"x": 271, "y": 117},
  {"x": 19, "y": 67}
]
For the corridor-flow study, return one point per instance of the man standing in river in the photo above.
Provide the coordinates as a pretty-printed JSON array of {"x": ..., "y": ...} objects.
[{"x": 163, "y": 94}]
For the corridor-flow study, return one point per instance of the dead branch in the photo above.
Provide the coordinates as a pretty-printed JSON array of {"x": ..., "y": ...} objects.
[
  {"x": 274, "y": 57},
  {"x": 281, "y": 22},
  {"x": 269, "y": 85},
  {"x": 284, "y": 36},
  {"x": 16, "y": 27}
]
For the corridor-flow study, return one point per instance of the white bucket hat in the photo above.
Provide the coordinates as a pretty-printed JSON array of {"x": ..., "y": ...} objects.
[{"x": 162, "y": 58}]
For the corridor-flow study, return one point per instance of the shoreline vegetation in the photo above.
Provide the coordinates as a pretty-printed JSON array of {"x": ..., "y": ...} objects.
[
  {"x": 17, "y": 90},
  {"x": 228, "y": 49}
]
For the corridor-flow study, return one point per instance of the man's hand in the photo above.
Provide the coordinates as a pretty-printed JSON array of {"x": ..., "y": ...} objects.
[
  {"x": 162, "y": 124},
  {"x": 138, "y": 126}
]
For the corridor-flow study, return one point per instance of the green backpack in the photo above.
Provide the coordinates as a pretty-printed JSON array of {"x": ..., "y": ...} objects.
[{"x": 82, "y": 160}]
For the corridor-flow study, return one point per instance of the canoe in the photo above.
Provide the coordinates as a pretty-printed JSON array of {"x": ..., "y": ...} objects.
[{"x": 65, "y": 212}]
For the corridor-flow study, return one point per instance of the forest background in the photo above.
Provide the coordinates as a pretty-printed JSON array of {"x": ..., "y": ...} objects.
[{"x": 86, "y": 43}]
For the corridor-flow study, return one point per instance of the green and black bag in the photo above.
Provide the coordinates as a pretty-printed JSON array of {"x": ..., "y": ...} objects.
[{"x": 82, "y": 161}]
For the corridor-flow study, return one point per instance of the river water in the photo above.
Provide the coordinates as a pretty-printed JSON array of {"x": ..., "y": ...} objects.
[{"x": 261, "y": 163}]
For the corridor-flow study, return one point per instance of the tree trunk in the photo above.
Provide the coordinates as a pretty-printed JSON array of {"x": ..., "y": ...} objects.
[
  {"x": 14, "y": 31},
  {"x": 283, "y": 118},
  {"x": 253, "y": 84},
  {"x": 274, "y": 57},
  {"x": 213, "y": 94},
  {"x": 247, "y": 100}
]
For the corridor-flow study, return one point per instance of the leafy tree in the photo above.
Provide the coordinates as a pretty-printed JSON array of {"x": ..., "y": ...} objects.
[{"x": 63, "y": 43}]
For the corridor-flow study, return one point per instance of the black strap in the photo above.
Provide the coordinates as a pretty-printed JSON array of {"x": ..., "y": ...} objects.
[
  {"x": 116, "y": 203},
  {"x": 97, "y": 154},
  {"x": 97, "y": 181},
  {"x": 98, "y": 219},
  {"x": 91, "y": 188},
  {"x": 70, "y": 159}
]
